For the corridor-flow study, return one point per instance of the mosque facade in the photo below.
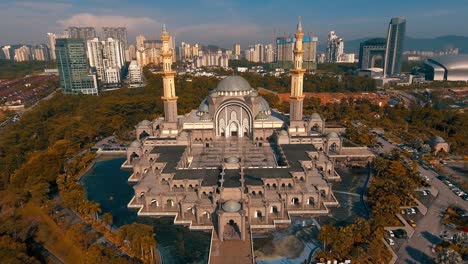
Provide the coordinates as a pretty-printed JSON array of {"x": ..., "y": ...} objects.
[{"x": 234, "y": 163}]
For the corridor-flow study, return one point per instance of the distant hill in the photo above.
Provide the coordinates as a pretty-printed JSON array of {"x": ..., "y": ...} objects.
[{"x": 430, "y": 44}]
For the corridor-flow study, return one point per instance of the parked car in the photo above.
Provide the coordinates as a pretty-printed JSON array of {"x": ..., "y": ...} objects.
[
  {"x": 390, "y": 241},
  {"x": 412, "y": 223},
  {"x": 400, "y": 233},
  {"x": 390, "y": 233}
]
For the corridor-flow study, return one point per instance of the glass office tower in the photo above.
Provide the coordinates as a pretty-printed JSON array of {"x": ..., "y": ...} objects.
[{"x": 394, "y": 51}]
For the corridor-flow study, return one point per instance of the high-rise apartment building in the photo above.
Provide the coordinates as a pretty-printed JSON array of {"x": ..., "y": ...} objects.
[
  {"x": 72, "y": 64},
  {"x": 131, "y": 52},
  {"x": 285, "y": 50},
  {"x": 269, "y": 53},
  {"x": 210, "y": 59},
  {"x": 395, "y": 41},
  {"x": 135, "y": 74},
  {"x": 22, "y": 54},
  {"x": 6, "y": 52},
  {"x": 237, "y": 49},
  {"x": 84, "y": 33},
  {"x": 119, "y": 33},
  {"x": 140, "y": 39},
  {"x": 40, "y": 53},
  {"x": 107, "y": 58},
  {"x": 335, "y": 47},
  {"x": 187, "y": 51},
  {"x": 149, "y": 51}
]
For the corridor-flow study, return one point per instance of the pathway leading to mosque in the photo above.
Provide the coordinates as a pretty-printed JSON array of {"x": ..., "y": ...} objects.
[{"x": 231, "y": 251}]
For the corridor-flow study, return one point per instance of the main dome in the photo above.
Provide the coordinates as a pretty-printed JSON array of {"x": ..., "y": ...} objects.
[{"x": 233, "y": 84}]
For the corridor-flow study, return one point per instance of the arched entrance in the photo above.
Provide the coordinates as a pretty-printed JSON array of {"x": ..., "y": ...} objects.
[
  {"x": 231, "y": 231},
  {"x": 233, "y": 119},
  {"x": 233, "y": 129}
]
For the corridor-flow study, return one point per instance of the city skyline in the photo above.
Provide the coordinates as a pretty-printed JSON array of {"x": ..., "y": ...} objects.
[{"x": 226, "y": 22}]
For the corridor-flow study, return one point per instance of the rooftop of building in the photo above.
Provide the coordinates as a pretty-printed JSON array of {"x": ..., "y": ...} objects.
[{"x": 171, "y": 155}]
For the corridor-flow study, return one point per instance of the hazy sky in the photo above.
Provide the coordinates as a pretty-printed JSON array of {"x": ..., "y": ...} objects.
[{"x": 223, "y": 22}]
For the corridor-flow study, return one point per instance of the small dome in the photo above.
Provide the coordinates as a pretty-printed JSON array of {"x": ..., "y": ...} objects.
[
  {"x": 183, "y": 134},
  {"x": 135, "y": 144},
  {"x": 438, "y": 139},
  {"x": 145, "y": 123},
  {"x": 262, "y": 105},
  {"x": 232, "y": 160},
  {"x": 231, "y": 206},
  {"x": 233, "y": 84},
  {"x": 203, "y": 106},
  {"x": 332, "y": 135},
  {"x": 315, "y": 116}
]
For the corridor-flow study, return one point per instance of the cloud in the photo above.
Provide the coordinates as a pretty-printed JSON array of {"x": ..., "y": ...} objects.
[
  {"x": 87, "y": 19},
  {"x": 43, "y": 6}
]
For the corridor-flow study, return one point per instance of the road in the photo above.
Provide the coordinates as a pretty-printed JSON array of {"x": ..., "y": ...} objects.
[
  {"x": 418, "y": 249},
  {"x": 20, "y": 113}
]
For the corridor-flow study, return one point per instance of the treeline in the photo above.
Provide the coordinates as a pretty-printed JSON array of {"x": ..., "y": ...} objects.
[
  {"x": 392, "y": 186},
  {"x": 413, "y": 124},
  {"x": 360, "y": 242},
  {"x": 38, "y": 161},
  {"x": 13, "y": 69}
]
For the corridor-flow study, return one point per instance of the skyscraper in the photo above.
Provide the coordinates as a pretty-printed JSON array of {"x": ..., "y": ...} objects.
[
  {"x": 23, "y": 54},
  {"x": 395, "y": 42},
  {"x": 140, "y": 39},
  {"x": 237, "y": 49},
  {"x": 119, "y": 33},
  {"x": 335, "y": 47},
  {"x": 72, "y": 64},
  {"x": 51, "y": 37},
  {"x": 107, "y": 57},
  {"x": 84, "y": 33},
  {"x": 40, "y": 53}
]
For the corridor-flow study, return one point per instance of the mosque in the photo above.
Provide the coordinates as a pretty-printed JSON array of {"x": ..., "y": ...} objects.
[{"x": 234, "y": 164}]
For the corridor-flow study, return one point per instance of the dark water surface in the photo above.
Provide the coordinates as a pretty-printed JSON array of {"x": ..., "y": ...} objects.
[{"x": 107, "y": 184}]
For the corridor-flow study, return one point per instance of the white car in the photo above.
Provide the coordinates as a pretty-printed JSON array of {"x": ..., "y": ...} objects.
[
  {"x": 413, "y": 211},
  {"x": 390, "y": 241},
  {"x": 424, "y": 193},
  {"x": 390, "y": 233}
]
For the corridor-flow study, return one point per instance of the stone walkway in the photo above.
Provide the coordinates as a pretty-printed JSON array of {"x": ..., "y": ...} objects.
[{"x": 231, "y": 251}]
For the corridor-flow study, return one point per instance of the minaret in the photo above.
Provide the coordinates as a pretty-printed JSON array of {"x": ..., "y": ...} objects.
[
  {"x": 297, "y": 76},
  {"x": 169, "y": 98}
]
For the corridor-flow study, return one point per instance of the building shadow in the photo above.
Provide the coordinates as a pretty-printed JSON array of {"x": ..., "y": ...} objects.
[
  {"x": 418, "y": 256},
  {"x": 431, "y": 238}
]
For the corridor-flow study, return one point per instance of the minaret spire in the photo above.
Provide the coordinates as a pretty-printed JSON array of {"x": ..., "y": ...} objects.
[
  {"x": 296, "y": 126},
  {"x": 299, "y": 24},
  {"x": 169, "y": 98}
]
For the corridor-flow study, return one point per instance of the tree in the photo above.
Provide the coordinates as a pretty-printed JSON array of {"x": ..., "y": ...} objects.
[
  {"x": 448, "y": 256},
  {"x": 107, "y": 218},
  {"x": 139, "y": 238}
]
